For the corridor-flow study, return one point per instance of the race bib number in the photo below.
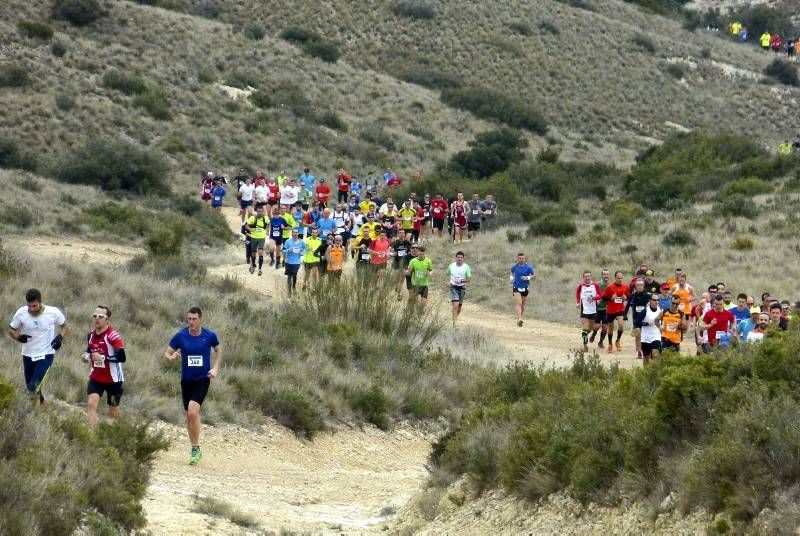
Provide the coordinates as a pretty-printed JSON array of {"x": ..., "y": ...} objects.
[
  {"x": 99, "y": 362},
  {"x": 38, "y": 357},
  {"x": 521, "y": 289},
  {"x": 426, "y": 213},
  {"x": 401, "y": 253},
  {"x": 437, "y": 211},
  {"x": 194, "y": 361},
  {"x": 295, "y": 250},
  {"x": 617, "y": 300},
  {"x": 639, "y": 308},
  {"x": 217, "y": 198},
  {"x": 672, "y": 327},
  {"x": 487, "y": 212},
  {"x": 365, "y": 256},
  {"x": 474, "y": 212},
  {"x": 420, "y": 274},
  {"x": 718, "y": 335},
  {"x": 406, "y": 218},
  {"x": 276, "y": 233}
]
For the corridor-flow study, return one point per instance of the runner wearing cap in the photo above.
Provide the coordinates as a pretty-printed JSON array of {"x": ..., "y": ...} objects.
[
  {"x": 744, "y": 327},
  {"x": 586, "y": 297},
  {"x": 665, "y": 298}
]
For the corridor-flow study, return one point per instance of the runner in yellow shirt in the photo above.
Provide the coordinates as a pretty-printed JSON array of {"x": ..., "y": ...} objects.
[{"x": 407, "y": 216}]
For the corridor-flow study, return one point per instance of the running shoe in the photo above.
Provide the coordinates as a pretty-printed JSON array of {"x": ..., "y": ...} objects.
[
  {"x": 271, "y": 262},
  {"x": 259, "y": 272},
  {"x": 519, "y": 323},
  {"x": 252, "y": 268},
  {"x": 585, "y": 348},
  {"x": 591, "y": 337},
  {"x": 194, "y": 459},
  {"x": 600, "y": 345},
  {"x": 618, "y": 345},
  {"x": 610, "y": 348}
]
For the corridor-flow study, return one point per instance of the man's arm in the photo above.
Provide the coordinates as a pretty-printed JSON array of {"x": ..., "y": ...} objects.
[
  {"x": 171, "y": 354},
  {"x": 15, "y": 335},
  {"x": 217, "y": 362}
]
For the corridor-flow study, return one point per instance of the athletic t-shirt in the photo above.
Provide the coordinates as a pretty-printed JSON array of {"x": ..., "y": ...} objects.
[
  {"x": 474, "y": 214},
  {"x": 106, "y": 344},
  {"x": 650, "y": 332},
  {"x": 402, "y": 250},
  {"x": 740, "y": 315},
  {"x": 40, "y": 329},
  {"x": 407, "y": 217},
  {"x": 671, "y": 326},
  {"x": 258, "y": 227},
  {"x": 276, "y": 224},
  {"x": 261, "y": 193},
  {"x": 601, "y": 304},
  {"x": 458, "y": 274},
  {"x": 615, "y": 296},
  {"x": 312, "y": 244},
  {"x": 326, "y": 226},
  {"x": 216, "y": 196},
  {"x": 521, "y": 275},
  {"x": 438, "y": 208},
  {"x": 294, "y": 249},
  {"x": 724, "y": 322},
  {"x": 489, "y": 208},
  {"x": 195, "y": 352},
  {"x": 362, "y": 255},
  {"x": 336, "y": 261},
  {"x": 420, "y": 270},
  {"x": 587, "y": 296},
  {"x": 755, "y": 335},
  {"x": 380, "y": 252},
  {"x": 289, "y": 194},
  {"x": 247, "y": 191}
]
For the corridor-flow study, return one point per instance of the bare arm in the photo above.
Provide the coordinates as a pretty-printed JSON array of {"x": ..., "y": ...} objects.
[
  {"x": 217, "y": 362},
  {"x": 171, "y": 354}
]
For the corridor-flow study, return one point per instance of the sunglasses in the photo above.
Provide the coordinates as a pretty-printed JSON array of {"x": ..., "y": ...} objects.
[{"x": 99, "y": 316}]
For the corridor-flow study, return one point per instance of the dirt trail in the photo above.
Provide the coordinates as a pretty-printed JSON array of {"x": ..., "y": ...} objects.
[{"x": 350, "y": 480}]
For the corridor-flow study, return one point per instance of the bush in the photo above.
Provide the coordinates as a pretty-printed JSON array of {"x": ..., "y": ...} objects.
[
  {"x": 521, "y": 28},
  {"x": 748, "y": 186},
  {"x": 490, "y": 104},
  {"x": 549, "y": 27},
  {"x": 783, "y": 71},
  {"x": 12, "y": 75},
  {"x": 14, "y": 157},
  {"x": 209, "y": 9},
  {"x": 514, "y": 236},
  {"x": 555, "y": 224},
  {"x": 676, "y": 70},
  {"x": 114, "y": 165},
  {"x": 297, "y": 34},
  {"x": 58, "y": 49},
  {"x": 679, "y": 238},
  {"x": 623, "y": 215},
  {"x": 292, "y": 409},
  {"x": 155, "y": 102},
  {"x": 490, "y": 152},
  {"x": 127, "y": 84},
  {"x": 373, "y": 406},
  {"x": 17, "y": 216},
  {"x": 413, "y": 9},
  {"x": 736, "y": 205},
  {"x": 77, "y": 12},
  {"x": 743, "y": 243},
  {"x": 331, "y": 119},
  {"x": 327, "y": 51},
  {"x": 64, "y": 102},
  {"x": 430, "y": 77},
  {"x": 644, "y": 42},
  {"x": 242, "y": 80},
  {"x": 166, "y": 240},
  {"x": 36, "y": 29},
  {"x": 255, "y": 31}
]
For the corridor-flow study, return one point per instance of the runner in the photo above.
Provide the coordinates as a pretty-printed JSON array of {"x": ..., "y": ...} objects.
[
  {"x": 426, "y": 215},
  {"x": 717, "y": 323},
  {"x": 311, "y": 259},
  {"x": 408, "y": 216},
  {"x": 439, "y": 211},
  {"x": 419, "y": 221},
  {"x": 326, "y": 224},
  {"x": 651, "y": 330},
  {"x": 371, "y": 184},
  {"x": 193, "y": 345},
  {"x": 105, "y": 352},
  {"x": 685, "y": 292},
  {"x": 240, "y": 179},
  {"x": 206, "y": 185},
  {"x": 489, "y": 208},
  {"x": 342, "y": 221},
  {"x": 260, "y": 193},
  {"x": 638, "y": 301},
  {"x": 420, "y": 269},
  {"x": 474, "y": 216},
  {"x": 586, "y": 297},
  {"x": 665, "y": 299},
  {"x": 673, "y": 326},
  {"x": 217, "y": 194},
  {"x": 600, "y": 321},
  {"x": 651, "y": 285},
  {"x": 672, "y": 281},
  {"x": 245, "y": 196},
  {"x": 294, "y": 248},
  {"x": 361, "y": 248},
  {"x": 379, "y": 252},
  {"x": 757, "y": 333},
  {"x": 247, "y": 242},
  {"x": 297, "y": 214},
  {"x": 343, "y": 181},
  {"x": 273, "y": 192},
  {"x": 744, "y": 327},
  {"x": 616, "y": 298},
  {"x": 741, "y": 311},
  {"x": 389, "y": 218},
  {"x": 290, "y": 193},
  {"x": 277, "y": 224},
  {"x": 257, "y": 225},
  {"x": 459, "y": 210},
  {"x": 400, "y": 253},
  {"x": 460, "y": 276},
  {"x": 34, "y": 326},
  {"x": 522, "y": 274},
  {"x": 307, "y": 181},
  {"x": 322, "y": 193},
  {"x": 336, "y": 255}
]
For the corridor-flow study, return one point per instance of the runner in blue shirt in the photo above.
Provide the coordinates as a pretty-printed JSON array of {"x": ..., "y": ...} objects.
[
  {"x": 297, "y": 214},
  {"x": 326, "y": 224},
  {"x": 194, "y": 345},
  {"x": 307, "y": 180},
  {"x": 217, "y": 193},
  {"x": 294, "y": 248},
  {"x": 355, "y": 189},
  {"x": 522, "y": 274},
  {"x": 276, "y": 226}
]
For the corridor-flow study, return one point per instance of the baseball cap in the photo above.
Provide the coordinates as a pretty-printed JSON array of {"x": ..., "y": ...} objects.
[
  {"x": 664, "y": 287},
  {"x": 755, "y": 310},
  {"x": 649, "y": 272}
]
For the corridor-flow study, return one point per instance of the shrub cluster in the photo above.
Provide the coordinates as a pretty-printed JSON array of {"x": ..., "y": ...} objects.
[
  {"x": 255, "y": 31},
  {"x": 37, "y": 29},
  {"x": 414, "y": 9},
  {"x": 78, "y": 12},
  {"x": 558, "y": 181},
  {"x": 489, "y": 153},
  {"x": 12, "y": 75},
  {"x": 154, "y": 100},
  {"x": 552, "y": 223},
  {"x": 783, "y": 71},
  {"x": 312, "y": 43},
  {"x": 115, "y": 165},
  {"x": 718, "y": 430},
  {"x": 430, "y": 77},
  {"x": 490, "y": 104},
  {"x": 14, "y": 157}
]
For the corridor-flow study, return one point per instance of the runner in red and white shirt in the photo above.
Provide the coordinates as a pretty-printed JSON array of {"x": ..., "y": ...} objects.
[
  {"x": 716, "y": 322},
  {"x": 439, "y": 209},
  {"x": 105, "y": 353},
  {"x": 343, "y": 181},
  {"x": 323, "y": 192},
  {"x": 616, "y": 298},
  {"x": 586, "y": 297},
  {"x": 274, "y": 194},
  {"x": 459, "y": 210},
  {"x": 206, "y": 185}
]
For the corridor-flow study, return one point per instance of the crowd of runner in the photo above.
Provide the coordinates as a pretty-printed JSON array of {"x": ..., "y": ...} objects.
[
  {"x": 663, "y": 313},
  {"x": 768, "y": 41}
]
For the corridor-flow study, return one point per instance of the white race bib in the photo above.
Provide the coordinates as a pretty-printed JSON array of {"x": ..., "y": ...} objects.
[
  {"x": 719, "y": 335},
  {"x": 426, "y": 213},
  {"x": 365, "y": 256},
  {"x": 487, "y": 212},
  {"x": 672, "y": 327},
  {"x": 217, "y": 198},
  {"x": 406, "y": 218},
  {"x": 99, "y": 363},
  {"x": 401, "y": 253},
  {"x": 437, "y": 210},
  {"x": 420, "y": 274},
  {"x": 295, "y": 250},
  {"x": 474, "y": 212},
  {"x": 617, "y": 300},
  {"x": 639, "y": 308},
  {"x": 520, "y": 289},
  {"x": 38, "y": 357},
  {"x": 276, "y": 233},
  {"x": 194, "y": 361}
]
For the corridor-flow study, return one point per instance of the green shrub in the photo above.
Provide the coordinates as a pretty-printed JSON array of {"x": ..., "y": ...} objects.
[
  {"x": 679, "y": 238},
  {"x": 549, "y": 27},
  {"x": 292, "y": 409},
  {"x": 129, "y": 220},
  {"x": 332, "y": 120},
  {"x": 676, "y": 70},
  {"x": 374, "y": 132},
  {"x": 18, "y": 216},
  {"x": 242, "y": 79},
  {"x": 77, "y": 12},
  {"x": 255, "y": 31},
  {"x": 114, "y": 165},
  {"x": 489, "y": 153},
  {"x": 372, "y": 405},
  {"x": 490, "y": 104},
  {"x": 209, "y": 9},
  {"x": 297, "y": 34},
  {"x": 644, "y": 42},
  {"x": 36, "y": 29},
  {"x": 736, "y": 205},
  {"x": 12, "y": 75},
  {"x": 154, "y": 102},
  {"x": 12, "y": 156},
  {"x": 555, "y": 224},
  {"x": 783, "y": 71},
  {"x": 127, "y": 84},
  {"x": 64, "y": 102},
  {"x": 623, "y": 215},
  {"x": 214, "y": 507},
  {"x": 327, "y": 51},
  {"x": 521, "y": 28},
  {"x": 514, "y": 236},
  {"x": 429, "y": 77},
  {"x": 742, "y": 243},
  {"x": 748, "y": 186},
  {"x": 166, "y": 240},
  {"x": 413, "y": 9},
  {"x": 58, "y": 49}
]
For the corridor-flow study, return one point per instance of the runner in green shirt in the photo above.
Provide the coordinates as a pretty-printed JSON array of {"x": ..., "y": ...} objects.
[
  {"x": 311, "y": 259},
  {"x": 420, "y": 270}
]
